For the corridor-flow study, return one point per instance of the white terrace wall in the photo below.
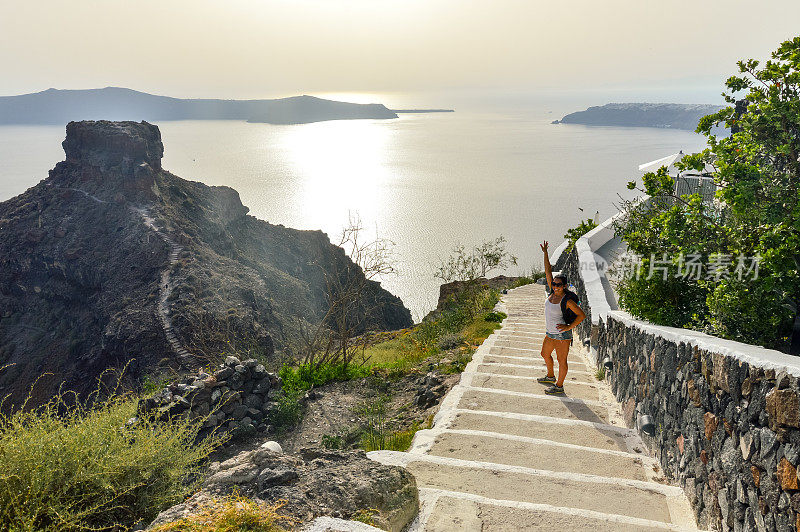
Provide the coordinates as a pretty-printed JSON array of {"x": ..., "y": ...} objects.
[{"x": 726, "y": 414}]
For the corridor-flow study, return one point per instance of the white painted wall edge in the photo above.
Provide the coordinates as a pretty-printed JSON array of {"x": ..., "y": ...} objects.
[{"x": 558, "y": 251}]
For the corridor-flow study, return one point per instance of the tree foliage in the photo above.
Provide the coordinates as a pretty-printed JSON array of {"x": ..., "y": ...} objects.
[
  {"x": 572, "y": 235},
  {"x": 756, "y": 214},
  {"x": 466, "y": 266}
]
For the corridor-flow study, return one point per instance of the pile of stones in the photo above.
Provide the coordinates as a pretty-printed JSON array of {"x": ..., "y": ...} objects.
[
  {"x": 430, "y": 390},
  {"x": 238, "y": 397}
]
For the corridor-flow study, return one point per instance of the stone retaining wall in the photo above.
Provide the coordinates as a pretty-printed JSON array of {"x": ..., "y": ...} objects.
[
  {"x": 569, "y": 266},
  {"x": 727, "y": 418},
  {"x": 727, "y": 430},
  {"x": 238, "y": 398}
]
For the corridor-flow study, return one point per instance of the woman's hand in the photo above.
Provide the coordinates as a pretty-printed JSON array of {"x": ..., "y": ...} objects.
[
  {"x": 562, "y": 327},
  {"x": 544, "y": 245}
]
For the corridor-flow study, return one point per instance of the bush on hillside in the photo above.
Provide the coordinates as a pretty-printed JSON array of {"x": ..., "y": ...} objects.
[
  {"x": 462, "y": 265},
  {"x": 70, "y": 467}
]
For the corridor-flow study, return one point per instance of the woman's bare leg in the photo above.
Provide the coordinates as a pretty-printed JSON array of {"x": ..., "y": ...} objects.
[
  {"x": 548, "y": 344},
  {"x": 562, "y": 350}
]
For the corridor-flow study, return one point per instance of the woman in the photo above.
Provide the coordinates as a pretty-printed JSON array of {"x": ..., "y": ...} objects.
[{"x": 561, "y": 314}]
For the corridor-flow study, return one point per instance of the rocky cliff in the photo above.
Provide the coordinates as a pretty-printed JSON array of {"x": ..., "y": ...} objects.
[
  {"x": 113, "y": 261},
  {"x": 664, "y": 115}
]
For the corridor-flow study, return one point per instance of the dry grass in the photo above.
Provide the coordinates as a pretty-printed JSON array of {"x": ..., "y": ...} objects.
[{"x": 234, "y": 513}]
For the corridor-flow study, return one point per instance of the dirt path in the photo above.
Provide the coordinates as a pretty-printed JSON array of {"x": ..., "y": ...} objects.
[
  {"x": 502, "y": 455},
  {"x": 166, "y": 286}
]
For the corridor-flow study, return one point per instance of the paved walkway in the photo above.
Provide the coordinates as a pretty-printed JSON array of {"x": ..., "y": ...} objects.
[{"x": 502, "y": 455}]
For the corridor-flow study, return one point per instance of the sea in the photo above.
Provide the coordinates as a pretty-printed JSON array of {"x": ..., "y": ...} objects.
[{"x": 425, "y": 182}]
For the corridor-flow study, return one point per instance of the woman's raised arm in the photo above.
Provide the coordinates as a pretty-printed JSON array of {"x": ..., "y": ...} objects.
[{"x": 548, "y": 269}]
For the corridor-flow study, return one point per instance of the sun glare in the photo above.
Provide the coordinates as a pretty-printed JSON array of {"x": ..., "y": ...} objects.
[
  {"x": 342, "y": 166},
  {"x": 356, "y": 97}
]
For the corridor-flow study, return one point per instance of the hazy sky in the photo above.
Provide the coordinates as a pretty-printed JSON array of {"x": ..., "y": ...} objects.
[{"x": 264, "y": 48}]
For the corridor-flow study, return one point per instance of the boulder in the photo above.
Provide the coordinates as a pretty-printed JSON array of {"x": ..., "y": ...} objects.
[
  {"x": 272, "y": 446},
  {"x": 315, "y": 482}
]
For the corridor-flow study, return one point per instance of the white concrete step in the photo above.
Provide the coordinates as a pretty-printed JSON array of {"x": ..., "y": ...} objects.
[
  {"x": 482, "y": 399},
  {"x": 532, "y": 361},
  {"x": 526, "y": 487},
  {"x": 533, "y": 371},
  {"x": 539, "y": 454},
  {"x": 585, "y": 433},
  {"x": 616, "y": 499},
  {"x": 529, "y": 385},
  {"x": 456, "y": 512}
]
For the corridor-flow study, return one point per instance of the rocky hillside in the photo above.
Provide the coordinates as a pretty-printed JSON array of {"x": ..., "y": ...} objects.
[
  {"x": 112, "y": 260},
  {"x": 666, "y": 115}
]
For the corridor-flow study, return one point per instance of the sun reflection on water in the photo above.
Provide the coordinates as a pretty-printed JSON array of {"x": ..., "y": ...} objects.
[{"x": 341, "y": 167}]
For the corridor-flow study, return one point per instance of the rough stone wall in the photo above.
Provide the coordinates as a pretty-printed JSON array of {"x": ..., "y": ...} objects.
[
  {"x": 238, "y": 398},
  {"x": 727, "y": 431},
  {"x": 570, "y": 267}
]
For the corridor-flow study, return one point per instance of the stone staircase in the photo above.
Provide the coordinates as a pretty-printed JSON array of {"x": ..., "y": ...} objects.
[{"x": 502, "y": 455}]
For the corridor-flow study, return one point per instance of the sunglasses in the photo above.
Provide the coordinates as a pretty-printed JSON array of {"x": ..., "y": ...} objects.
[{"x": 558, "y": 284}]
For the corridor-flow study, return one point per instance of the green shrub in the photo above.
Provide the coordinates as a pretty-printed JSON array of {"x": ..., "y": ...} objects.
[
  {"x": 458, "y": 364},
  {"x": 297, "y": 380},
  {"x": 731, "y": 310},
  {"x": 496, "y": 317},
  {"x": 366, "y": 515},
  {"x": 288, "y": 411},
  {"x": 378, "y": 435},
  {"x": 332, "y": 441},
  {"x": 450, "y": 341},
  {"x": 536, "y": 272},
  {"x": 68, "y": 467},
  {"x": 306, "y": 376},
  {"x": 466, "y": 266},
  {"x": 754, "y": 215},
  {"x": 400, "y": 440},
  {"x": 573, "y": 234},
  {"x": 673, "y": 301}
]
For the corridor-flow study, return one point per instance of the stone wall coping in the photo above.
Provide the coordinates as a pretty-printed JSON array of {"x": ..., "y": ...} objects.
[
  {"x": 592, "y": 284},
  {"x": 558, "y": 251},
  {"x": 754, "y": 355},
  {"x": 587, "y": 261}
]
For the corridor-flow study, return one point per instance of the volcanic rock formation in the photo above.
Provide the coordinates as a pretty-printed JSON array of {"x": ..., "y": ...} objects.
[{"x": 112, "y": 262}]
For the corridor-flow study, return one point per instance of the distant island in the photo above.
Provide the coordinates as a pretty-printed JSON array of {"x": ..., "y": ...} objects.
[
  {"x": 54, "y": 106},
  {"x": 663, "y": 115}
]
